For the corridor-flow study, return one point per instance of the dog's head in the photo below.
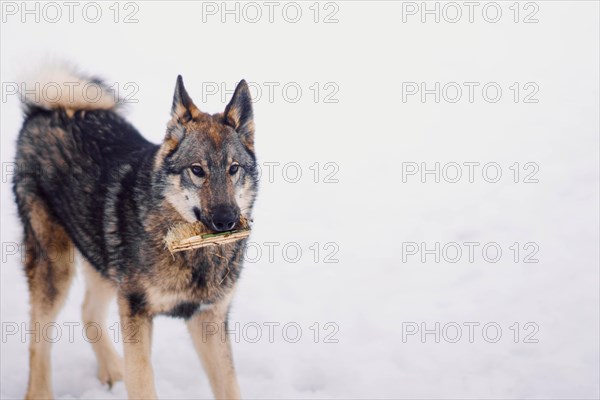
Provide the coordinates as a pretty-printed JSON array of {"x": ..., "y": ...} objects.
[{"x": 207, "y": 161}]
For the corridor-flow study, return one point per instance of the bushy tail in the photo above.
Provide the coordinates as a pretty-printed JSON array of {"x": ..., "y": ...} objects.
[{"x": 62, "y": 87}]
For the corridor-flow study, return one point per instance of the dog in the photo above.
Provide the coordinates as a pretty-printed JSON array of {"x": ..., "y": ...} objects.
[{"x": 87, "y": 182}]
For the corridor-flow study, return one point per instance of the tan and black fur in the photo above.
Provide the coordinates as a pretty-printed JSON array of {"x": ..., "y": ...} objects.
[{"x": 87, "y": 180}]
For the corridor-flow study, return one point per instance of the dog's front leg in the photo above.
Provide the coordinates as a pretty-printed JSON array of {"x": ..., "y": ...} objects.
[
  {"x": 136, "y": 334},
  {"x": 213, "y": 347}
]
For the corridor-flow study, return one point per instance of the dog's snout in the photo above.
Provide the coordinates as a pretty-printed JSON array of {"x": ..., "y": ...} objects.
[{"x": 224, "y": 218}]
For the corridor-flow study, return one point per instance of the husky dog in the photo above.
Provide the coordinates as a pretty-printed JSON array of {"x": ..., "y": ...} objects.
[{"x": 87, "y": 180}]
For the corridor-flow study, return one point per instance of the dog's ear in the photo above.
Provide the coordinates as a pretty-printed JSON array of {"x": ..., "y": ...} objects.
[
  {"x": 183, "y": 109},
  {"x": 238, "y": 114}
]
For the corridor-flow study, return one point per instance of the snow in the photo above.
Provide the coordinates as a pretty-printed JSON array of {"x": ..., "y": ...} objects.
[{"x": 363, "y": 302}]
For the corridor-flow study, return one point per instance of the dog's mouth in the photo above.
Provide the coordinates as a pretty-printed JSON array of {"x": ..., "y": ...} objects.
[
  {"x": 200, "y": 218},
  {"x": 198, "y": 214}
]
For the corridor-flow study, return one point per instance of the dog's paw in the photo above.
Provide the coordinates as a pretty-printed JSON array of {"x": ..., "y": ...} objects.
[
  {"x": 38, "y": 395},
  {"x": 110, "y": 370}
]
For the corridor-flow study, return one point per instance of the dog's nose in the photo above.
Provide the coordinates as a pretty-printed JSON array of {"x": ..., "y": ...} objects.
[{"x": 224, "y": 218}]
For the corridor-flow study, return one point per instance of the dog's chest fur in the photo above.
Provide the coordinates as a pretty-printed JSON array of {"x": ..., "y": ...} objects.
[
  {"x": 184, "y": 283},
  {"x": 178, "y": 284}
]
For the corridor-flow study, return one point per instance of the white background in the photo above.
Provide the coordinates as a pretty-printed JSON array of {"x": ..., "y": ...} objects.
[{"x": 370, "y": 294}]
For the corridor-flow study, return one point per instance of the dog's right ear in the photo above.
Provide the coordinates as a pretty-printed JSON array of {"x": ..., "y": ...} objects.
[{"x": 183, "y": 109}]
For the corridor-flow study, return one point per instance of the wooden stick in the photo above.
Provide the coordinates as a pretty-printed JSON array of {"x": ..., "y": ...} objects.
[{"x": 182, "y": 237}]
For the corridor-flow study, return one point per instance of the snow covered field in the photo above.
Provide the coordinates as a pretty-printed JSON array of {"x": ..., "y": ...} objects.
[{"x": 345, "y": 317}]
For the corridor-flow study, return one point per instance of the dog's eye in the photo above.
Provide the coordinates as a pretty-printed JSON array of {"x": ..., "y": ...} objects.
[
  {"x": 198, "y": 171},
  {"x": 234, "y": 169}
]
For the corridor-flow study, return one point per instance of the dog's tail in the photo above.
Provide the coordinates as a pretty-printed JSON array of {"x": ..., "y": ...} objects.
[{"x": 61, "y": 86}]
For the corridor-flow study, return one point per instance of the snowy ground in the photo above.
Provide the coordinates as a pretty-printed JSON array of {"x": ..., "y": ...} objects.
[{"x": 370, "y": 218}]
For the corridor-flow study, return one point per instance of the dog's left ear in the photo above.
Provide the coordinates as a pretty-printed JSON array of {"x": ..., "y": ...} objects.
[{"x": 238, "y": 114}]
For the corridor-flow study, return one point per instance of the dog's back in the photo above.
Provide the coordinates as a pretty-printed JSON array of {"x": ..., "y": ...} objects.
[{"x": 70, "y": 152}]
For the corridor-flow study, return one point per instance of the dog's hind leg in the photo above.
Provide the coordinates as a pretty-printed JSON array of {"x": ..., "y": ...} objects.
[
  {"x": 99, "y": 292},
  {"x": 49, "y": 266}
]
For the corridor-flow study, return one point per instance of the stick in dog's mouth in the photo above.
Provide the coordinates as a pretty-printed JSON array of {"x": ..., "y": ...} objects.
[{"x": 189, "y": 236}]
